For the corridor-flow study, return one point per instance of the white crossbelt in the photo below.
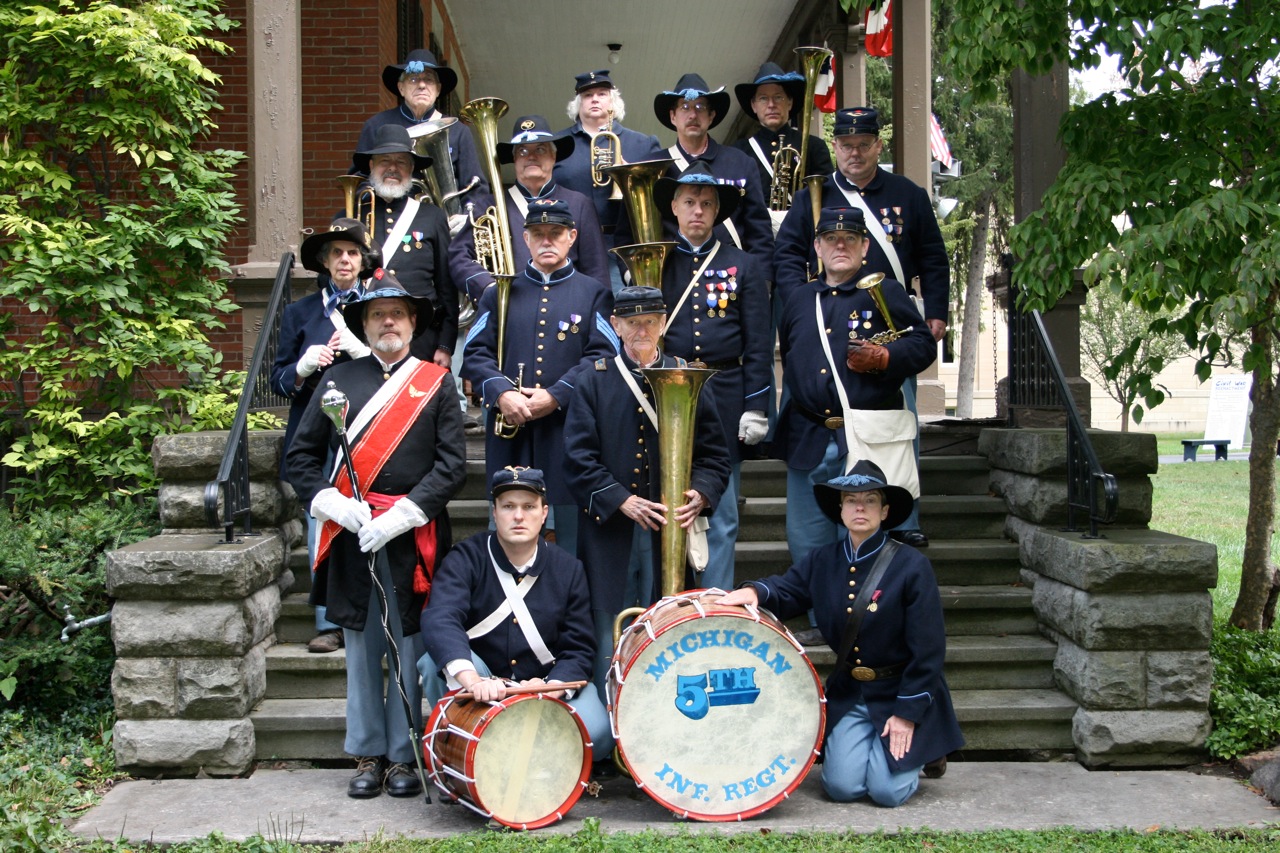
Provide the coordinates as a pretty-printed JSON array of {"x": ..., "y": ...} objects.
[
  {"x": 877, "y": 232},
  {"x": 693, "y": 282},
  {"x": 397, "y": 232},
  {"x": 514, "y": 604}
]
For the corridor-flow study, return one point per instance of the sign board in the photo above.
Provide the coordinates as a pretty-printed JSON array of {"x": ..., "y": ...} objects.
[{"x": 1228, "y": 415}]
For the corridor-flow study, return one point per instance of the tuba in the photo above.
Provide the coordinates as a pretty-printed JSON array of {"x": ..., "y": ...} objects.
[
  {"x": 872, "y": 284},
  {"x": 492, "y": 229},
  {"x": 606, "y": 151},
  {"x": 431, "y": 139}
]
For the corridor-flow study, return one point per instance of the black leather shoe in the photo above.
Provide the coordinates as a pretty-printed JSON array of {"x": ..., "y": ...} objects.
[
  {"x": 914, "y": 538},
  {"x": 401, "y": 781},
  {"x": 368, "y": 779},
  {"x": 936, "y": 769}
]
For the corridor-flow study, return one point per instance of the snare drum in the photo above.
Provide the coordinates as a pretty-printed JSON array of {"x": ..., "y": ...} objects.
[
  {"x": 717, "y": 711},
  {"x": 523, "y": 761}
]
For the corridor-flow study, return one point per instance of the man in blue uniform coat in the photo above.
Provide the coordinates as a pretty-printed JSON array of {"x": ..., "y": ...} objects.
[
  {"x": 534, "y": 150},
  {"x": 845, "y": 390},
  {"x": 889, "y": 711},
  {"x": 555, "y": 329},
  {"x": 419, "y": 82},
  {"x": 907, "y": 244},
  {"x": 691, "y": 110},
  {"x": 613, "y": 468},
  {"x": 408, "y": 453},
  {"x": 412, "y": 236},
  {"x": 509, "y": 607},
  {"x": 596, "y": 106},
  {"x": 719, "y": 319},
  {"x": 774, "y": 97}
]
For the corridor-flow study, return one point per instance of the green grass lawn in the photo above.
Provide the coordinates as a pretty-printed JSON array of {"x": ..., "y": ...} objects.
[{"x": 1207, "y": 501}]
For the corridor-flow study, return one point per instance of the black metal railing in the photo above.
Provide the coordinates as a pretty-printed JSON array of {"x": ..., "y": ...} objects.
[
  {"x": 1036, "y": 380},
  {"x": 226, "y": 499}
]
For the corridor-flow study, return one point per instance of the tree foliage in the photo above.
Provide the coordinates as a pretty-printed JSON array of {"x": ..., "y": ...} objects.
[
  {"x": 1169, "y": 193},
  {"x": 113, "y": 210}
]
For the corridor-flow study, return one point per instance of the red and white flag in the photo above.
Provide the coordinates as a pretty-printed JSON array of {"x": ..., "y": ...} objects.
[
  {"x": 879, "y": 27},
  {"x": 824, "y": 94},
  {"x": 938, "y": 146}
]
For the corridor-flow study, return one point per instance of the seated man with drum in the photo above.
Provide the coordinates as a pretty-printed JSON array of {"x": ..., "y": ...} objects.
[
  {"x": 508, "y": 607},
  {"x": 889, "y": 711}
]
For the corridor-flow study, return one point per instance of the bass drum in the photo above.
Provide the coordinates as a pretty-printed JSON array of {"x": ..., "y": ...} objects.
[
  {"x": 717, "y": 711},
  {"x": 523, "y": 761}
]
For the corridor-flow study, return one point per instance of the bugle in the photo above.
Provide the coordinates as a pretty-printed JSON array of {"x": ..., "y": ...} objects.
[
  {"x": 811, "y": 59},
  {"x": 871, "y": 283}
]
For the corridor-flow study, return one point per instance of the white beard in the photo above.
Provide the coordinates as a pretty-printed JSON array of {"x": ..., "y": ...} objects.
[
  {"x": 386, "y": 192},
  {"x": 389, "y": 345}
]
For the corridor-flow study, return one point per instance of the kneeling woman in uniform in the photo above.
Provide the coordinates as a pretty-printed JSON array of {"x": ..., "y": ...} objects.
[{"x": 889, "y": 711}]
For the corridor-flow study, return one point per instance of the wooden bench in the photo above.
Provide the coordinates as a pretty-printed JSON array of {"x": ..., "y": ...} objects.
[{"x": 1191, "y": 446}]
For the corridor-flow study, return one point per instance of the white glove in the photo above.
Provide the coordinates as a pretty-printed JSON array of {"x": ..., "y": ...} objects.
[
  {"x": 351, "y": 345},
  {"x": 403, "y": 516},
  {"x": 456, "y": 222},
  {"x": 333, "y": 505},
  {"x": 753, "y": 427},
  {"x": 310, "y": 361}
]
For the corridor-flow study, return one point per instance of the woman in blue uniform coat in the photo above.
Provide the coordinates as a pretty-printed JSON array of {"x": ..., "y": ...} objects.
[{"x": 889, "y": 712}]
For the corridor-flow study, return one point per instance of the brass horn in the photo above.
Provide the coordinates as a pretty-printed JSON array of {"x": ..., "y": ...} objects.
[
  {"x": 811, "y": 59},
  {"x": 431, "y": 139},
  {"x": 871, "y": 283},
  {"x": 353, "y": 199},
  {"x": 606, "y": 151},
  {"x": 492, "y": 229},
  {"x": 675, "y": 396},
  {"x": 636, "y": 181}
]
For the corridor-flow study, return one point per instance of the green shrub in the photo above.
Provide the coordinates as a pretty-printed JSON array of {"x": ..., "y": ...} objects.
[
  {"x": 1245, "y": 697},
  {"x": 51, "y": 558}
]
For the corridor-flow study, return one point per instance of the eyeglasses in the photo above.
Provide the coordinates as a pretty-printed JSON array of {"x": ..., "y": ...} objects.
[
  {"x": 687, "y": 107},
  {"x": 533, "y": 150},
  {"x": 420, "y": 79},
  {"x": 770, "y": 99},
  {"x": 860, "y": 147}
]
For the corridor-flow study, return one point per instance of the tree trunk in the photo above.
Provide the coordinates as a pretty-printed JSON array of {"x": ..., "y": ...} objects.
[
  {"x": 971, "y": 324},
  {"x": 1255, "y": 607}
]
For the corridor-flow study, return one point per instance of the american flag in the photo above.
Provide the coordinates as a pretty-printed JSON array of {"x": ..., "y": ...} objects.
[{"x": 938, "y": 146}]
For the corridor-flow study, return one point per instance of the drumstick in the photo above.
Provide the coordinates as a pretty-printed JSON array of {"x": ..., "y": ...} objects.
[{"x": 537, "y": 688}]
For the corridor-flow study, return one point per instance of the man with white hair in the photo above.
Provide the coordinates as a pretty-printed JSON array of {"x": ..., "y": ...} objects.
[{"x": 598, "y": 106}]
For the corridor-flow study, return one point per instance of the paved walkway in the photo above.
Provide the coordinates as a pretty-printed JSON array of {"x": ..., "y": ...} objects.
[{"x": 311, "y": 806}]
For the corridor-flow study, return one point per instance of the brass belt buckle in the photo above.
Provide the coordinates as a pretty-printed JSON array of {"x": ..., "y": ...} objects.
[
  {"x": 836, "y": 422},
  {"x": 863, "y": 673}
]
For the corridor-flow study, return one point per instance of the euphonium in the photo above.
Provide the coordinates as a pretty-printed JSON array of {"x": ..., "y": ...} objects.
[
  {"x": 606, "y": 151},
  {"x": 811, "y": 59},
  {"x": 483, "y": 114},
  {"x": 636, "y": 180},
  {"x": 872, "y": 283},
  {"x": 353, "y": 200}
]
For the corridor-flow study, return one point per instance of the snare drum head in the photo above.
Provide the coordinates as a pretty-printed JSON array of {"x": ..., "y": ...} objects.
[
  {"x": 530, "y": 761},
  {"x": 719, "y": 717}
]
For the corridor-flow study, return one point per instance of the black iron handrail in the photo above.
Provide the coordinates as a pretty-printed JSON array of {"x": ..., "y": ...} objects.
[
  {"x": 1036, "y": 379},
  {"x": 232, "y": 486}
]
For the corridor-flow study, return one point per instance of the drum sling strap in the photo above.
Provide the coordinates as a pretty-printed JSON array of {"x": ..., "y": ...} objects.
[
  {"x": 863, "y": 601},
  {"x": 514, "y": 604}
]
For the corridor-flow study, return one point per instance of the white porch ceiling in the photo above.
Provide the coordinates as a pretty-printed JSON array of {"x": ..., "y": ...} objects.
[{"x": 527, "y": 53}]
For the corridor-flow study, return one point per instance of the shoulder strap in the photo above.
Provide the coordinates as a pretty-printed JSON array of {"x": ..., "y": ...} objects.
[
  {"x": 678, "y": 156},
  {"x": 860, "y": 604},
  {"x": 764, "y": 161},
  {"x": 693, "y": 282},
  {"x": 397, "y": 232},
  {"x": 877, "y": 233}
]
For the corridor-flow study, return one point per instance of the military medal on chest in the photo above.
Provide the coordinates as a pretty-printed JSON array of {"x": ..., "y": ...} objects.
[{"x": 564, "y": 327}]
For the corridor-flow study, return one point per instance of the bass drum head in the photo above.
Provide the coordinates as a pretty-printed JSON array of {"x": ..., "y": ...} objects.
[
  {"x": 719, "y": 718},
  {"x": 530, "y": 762}
]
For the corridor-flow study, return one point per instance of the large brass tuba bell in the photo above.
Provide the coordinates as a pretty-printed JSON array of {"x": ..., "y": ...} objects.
[
  {"x": 431, "y": 139},
  {"x": 636, "y": 180}
]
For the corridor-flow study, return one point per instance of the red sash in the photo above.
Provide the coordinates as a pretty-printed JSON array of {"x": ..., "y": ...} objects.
[{"x": 374, "y": 447}]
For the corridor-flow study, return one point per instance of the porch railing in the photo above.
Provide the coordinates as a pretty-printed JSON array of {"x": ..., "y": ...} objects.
[
  {"x": 226, "y": 499},
  {"x": 1036, "y": 380}
]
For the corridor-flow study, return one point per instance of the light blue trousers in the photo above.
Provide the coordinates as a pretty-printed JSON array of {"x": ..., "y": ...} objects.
[
  {"x": 854, "y": 764},
  {"x": 722, "y": 536},
  {"x": 376, "y": 724}
]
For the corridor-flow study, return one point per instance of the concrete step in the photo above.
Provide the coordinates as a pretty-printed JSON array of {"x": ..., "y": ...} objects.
[
  {"x": 941, "y": 517},
  {"x": 295, "y": 673},
  {"x": 995, "y": 720},
  {"x": 297, "y": 620},
  {"x": 954, "y": 475},
  {"x": 1023, "y": 720}
]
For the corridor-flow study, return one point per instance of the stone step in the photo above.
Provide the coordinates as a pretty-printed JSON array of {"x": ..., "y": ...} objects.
[
  {"x": 955, "y": 561},
  {"x": 763, "y": 519},
  {"x": 987, "y": 610},
  {"x": 1021, "y": 720},
  {"x": 295, "y": 673},
  {"x": 992, "y": 720},
  {"x": 954, "y": 475}
]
